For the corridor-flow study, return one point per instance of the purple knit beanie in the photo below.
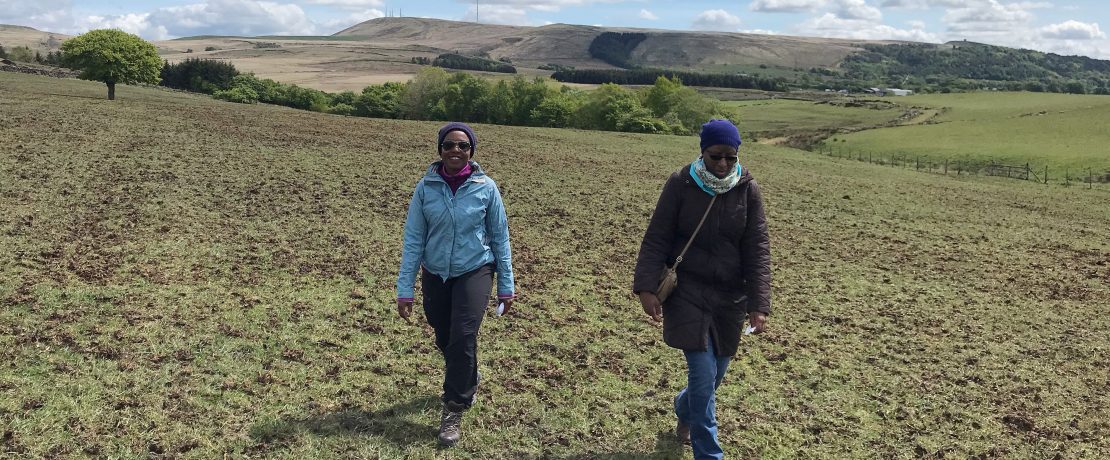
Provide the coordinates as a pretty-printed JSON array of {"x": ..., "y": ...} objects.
[
  {"x": 719, "y": 132},
  {"x": 456, "y": 126}
]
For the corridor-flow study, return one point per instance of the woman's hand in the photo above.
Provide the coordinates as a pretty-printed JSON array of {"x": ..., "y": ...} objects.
[
  {"x": 508, "y": 304},
  {"x": 404, "y": 308},
  {"x": 758, "y": 321},
  {"x": 651, "y": 304}
]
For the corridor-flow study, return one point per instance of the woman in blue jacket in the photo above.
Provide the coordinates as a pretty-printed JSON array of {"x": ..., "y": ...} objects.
[{"x": 457, "y": 233}]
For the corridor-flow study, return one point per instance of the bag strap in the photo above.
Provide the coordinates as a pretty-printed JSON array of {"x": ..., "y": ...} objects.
[{"x": 696, "y": 230}]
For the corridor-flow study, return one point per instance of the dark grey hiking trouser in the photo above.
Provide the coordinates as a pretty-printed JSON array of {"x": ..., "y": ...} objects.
[{"x": 455, "y": 308}]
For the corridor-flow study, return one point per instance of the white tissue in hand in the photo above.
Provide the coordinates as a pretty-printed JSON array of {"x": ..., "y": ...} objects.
[{"x": 500, "y": 308}]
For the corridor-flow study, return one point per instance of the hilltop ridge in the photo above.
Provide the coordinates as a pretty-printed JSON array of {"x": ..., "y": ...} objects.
[{"x": 568, "y": 44}]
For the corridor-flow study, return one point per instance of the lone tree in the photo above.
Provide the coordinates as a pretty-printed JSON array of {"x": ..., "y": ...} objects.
[{"x": 112, "y": 56}]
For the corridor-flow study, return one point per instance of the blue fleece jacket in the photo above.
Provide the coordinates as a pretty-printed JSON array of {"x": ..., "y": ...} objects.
[{"x": 452, "y": 234}]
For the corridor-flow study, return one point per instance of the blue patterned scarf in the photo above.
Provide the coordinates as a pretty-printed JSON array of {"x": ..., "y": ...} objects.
[{"x": 710, "y": 183}]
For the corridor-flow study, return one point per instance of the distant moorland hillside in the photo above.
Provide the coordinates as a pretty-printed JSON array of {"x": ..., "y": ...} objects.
[
  {"x": 570, "y": 44},
  {"x": 395, "y": 49}
]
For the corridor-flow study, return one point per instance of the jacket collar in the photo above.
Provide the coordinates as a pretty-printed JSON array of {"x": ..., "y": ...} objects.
[{"x": 432, "y": 173}]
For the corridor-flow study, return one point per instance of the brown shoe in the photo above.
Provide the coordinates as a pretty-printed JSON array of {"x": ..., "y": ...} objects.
[
  {"x": 449, "y": 425},
  {"x": 682, "y": 431}
]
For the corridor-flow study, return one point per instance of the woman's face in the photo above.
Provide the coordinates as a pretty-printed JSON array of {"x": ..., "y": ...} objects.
[
  {"x": 720, "y": 159},
  {"x": 455, "y": 157}
]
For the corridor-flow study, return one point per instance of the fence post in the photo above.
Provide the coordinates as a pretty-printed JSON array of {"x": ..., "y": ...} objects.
[
  {"x": 1067, "y": 177},
  {"x": 1090, "y": 179},
  {"x": 919, "y": 163},
  {"x": 1027, "y": 171},
  {"x": 1046, "y": 174},
  {"x": 945, "y": 166},
  {"x": 869, "y": 157}
]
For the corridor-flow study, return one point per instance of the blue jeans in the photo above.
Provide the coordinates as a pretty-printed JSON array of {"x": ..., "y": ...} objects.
[{"x": 696, "y": 404}]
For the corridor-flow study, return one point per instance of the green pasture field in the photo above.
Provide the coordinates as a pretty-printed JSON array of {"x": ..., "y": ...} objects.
[
  {"x": 187, "y": 278},
  {"x": 780, "y": 117},
  {"x": 1066, "y": 132}
]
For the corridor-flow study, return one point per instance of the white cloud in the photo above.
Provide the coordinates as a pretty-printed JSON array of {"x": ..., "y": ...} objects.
[
  {"x": 785, "y": 6},
  {"x": 857, "y": 9},
  {"x": 645, "y": 14},
  {"x": 989, "y": 16},
  {"x": 234, "y": 17},
  {"x": 759, "y": 31},
  {"x": 349, "y": 4},
  {"x": 1072, "y": 30},
  {"x": 499, "y": 14},
  {"x": 719, "y": 20},
  {"x": 924, "y": 4},
  {"x": 833, "y": 26},
  {"x": 46, "y": 15},
  {"x": 335, "y": 25},
  {"x": 138, "y": 24},
  {"x": 11, "y": 10},
  {"x": 515, "y": 12}
]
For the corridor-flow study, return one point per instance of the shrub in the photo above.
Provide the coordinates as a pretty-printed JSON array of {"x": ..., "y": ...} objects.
[
  {"x": 380, "y": 101},
  {"x": 341, "y": 109},
  {"x": 199, "y": 75},
  {"x": 423, "y": 95},
  {"x": 241, "y": 94},
  {"x": 458, "y": 61},
  {"x": 22, "y": 54},
  {"x": 555, "y": 111}
]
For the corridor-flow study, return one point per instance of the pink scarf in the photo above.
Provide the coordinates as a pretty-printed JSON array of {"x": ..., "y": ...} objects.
[{"x": 455, "y": 180}]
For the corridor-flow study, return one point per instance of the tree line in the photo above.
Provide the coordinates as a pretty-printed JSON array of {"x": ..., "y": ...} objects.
[
  {"x": 461, "y": 62},
  {"x": 648, "y": 76},
  {"x": 666, "y": 107},
  {"x": 968, "y": 66}
]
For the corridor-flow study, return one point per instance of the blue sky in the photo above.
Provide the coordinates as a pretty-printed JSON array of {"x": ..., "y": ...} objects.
[{"x": 1061, "y": 27}]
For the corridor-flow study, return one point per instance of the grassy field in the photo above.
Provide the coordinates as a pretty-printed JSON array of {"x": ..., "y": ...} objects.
[
  {"x": 781, "y": 117},
  {"x": 185, "y": 278},
  {"x": 1062, "y": 131}
]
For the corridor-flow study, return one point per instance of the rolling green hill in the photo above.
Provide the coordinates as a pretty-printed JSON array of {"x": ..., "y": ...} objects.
[
  {"x": 969, "y": 65},
  {"x": 1061, "y": 131}
]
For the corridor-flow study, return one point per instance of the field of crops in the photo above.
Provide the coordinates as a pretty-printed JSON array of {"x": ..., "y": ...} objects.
[
  {"x": 185, "y": 278},
  {"x": 1066, "y": 132}
]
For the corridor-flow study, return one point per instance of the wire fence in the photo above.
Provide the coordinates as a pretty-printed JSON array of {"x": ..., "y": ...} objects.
[{"x": 1087, "y": 177}]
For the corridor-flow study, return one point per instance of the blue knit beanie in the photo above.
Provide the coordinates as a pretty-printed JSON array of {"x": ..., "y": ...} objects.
[
  {"x": 719, "y": 132},
  {"x": 456, "y": 126}
]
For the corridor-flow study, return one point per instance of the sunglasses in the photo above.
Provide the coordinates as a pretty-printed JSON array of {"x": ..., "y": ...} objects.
[
  {"x": 728, "y": 158},
  {"x": 448, "y": 145}
]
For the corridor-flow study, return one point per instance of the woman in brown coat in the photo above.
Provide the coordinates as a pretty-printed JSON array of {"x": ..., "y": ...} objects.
[{"x": 723, "y": 279}]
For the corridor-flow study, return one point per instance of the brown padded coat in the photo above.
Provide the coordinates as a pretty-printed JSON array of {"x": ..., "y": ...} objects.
[{"x": 725, "y": 274}]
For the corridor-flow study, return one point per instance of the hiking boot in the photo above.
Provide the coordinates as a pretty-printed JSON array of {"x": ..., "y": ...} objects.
[
  {"x": 682, "y": 431},
  {"x": 449, "y": 423}
]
